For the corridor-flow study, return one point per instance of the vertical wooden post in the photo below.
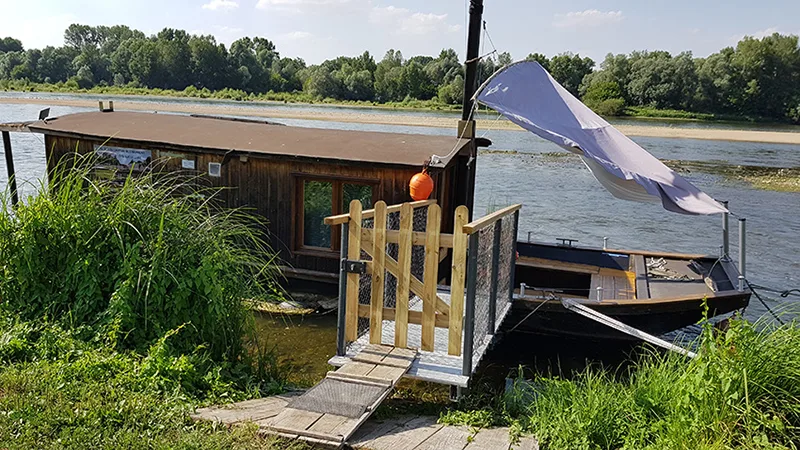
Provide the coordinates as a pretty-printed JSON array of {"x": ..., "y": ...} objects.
[
  {"x": 378, "y": 274},
  {"x": 404, "y": 276},
  {"x": 431, "y": 276},
  {"x": 12, "y": 179},
  {"x": 353, "y": 254},
  {"x": 457, "y": 282}
]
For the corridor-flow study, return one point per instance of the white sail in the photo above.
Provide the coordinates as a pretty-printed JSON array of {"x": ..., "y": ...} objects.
[{"x": 527, "y": 95}]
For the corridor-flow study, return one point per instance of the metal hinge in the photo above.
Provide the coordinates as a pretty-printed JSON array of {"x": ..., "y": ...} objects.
[{"x": 350, "y": 266}]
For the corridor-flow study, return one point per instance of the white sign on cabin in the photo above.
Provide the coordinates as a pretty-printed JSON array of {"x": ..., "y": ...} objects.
[
  {"x": 124, "y": 156},
  {"x": 187, "y": 164}
]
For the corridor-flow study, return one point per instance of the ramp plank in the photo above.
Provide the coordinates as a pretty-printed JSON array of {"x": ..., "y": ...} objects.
[
  {"x": 447, "y": 438},
  {"x": 356, "y": 368},
  {"x": 294, "y": 420},
  {"x": 491, "y": 438}
]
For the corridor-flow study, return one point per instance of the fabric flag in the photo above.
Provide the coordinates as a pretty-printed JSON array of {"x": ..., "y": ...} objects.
[{"x": 527, "y": 95}]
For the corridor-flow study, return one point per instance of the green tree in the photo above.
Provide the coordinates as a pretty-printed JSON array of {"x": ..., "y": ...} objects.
[
  {"x": 388, "y": 77},
  {"x": 569, "y": 70},
  {"x": 540, "y": 58},
  {"x": 9, "y": 44}
]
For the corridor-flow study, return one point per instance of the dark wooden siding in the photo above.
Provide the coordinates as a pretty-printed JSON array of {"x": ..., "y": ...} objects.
[{"x": 267, "y": 186}]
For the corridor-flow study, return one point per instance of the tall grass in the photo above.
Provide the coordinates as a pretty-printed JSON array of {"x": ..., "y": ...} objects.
[
  {"x": 146, "y": 255},
  {"x": 743, "y": 391}
]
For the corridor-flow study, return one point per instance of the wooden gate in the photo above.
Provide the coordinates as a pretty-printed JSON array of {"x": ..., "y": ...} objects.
[{"x": 437, "y": 311}]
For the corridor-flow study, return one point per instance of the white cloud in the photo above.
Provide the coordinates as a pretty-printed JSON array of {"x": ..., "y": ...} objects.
[
  {"x": 223, "y": 5},
  {"x": 587, "y": 18},
  {"x": 226, "y": 29},
  {"x": 296, "y": 36},
  {"x": 405, "y": 21},
  {"x": 297, "y": 5}
]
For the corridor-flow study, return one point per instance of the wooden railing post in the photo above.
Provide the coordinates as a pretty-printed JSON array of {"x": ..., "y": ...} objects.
[
  {"x": 430, "y": 278},
  {"x": 353, "y": 254},
  {"x": 378, "y": 273},
  {"x": 458, "y": 275},
  {"x": 403, "y": 276}
]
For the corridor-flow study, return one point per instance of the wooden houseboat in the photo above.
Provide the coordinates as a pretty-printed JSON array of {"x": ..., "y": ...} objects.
[{"x": 292, "y": 176}]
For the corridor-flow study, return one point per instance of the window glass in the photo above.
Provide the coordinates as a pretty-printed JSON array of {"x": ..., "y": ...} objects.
[
  {"x": 352, "y": 192},
  {"x": 317, "y": 204}
]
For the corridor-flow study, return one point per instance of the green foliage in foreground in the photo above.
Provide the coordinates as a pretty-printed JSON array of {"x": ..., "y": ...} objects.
[
  {"x": 145, "y": 256},
  {"x": 69, "y": 389},
  {"x": 743, "y": 391}
]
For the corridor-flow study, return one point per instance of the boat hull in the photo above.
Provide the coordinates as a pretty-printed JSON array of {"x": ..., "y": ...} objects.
[{"x": 551, "y": 318}]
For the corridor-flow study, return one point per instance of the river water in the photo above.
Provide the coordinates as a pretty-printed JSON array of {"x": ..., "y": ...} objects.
[{"x": 560, "y": 197}]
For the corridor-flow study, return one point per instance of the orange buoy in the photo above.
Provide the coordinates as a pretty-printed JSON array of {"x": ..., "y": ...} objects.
[{"x": 421, "y": 185}]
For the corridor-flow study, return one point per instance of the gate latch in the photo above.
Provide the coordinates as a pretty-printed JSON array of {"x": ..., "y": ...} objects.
[{"x": 350, "y": 266}]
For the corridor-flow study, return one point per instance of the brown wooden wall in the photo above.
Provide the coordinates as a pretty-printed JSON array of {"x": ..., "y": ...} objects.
[{"x": 268, "y": 185}]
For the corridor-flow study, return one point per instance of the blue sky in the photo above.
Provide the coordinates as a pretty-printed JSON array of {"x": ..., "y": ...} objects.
[{"x": 320, "y": 29}]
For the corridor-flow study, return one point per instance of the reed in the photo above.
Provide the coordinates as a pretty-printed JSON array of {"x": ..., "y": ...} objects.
[
  {"x": 147, "y": 253},
  {"x": 743, "y": 391}
]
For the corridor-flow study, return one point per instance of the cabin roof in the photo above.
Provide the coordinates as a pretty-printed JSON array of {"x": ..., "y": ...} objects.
[{"x": 257, "y": 137}]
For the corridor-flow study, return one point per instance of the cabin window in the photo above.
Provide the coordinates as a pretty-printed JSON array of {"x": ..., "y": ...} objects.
[
  {"x": 317, "y": 205},
  {"x": 323, "y": 198}
]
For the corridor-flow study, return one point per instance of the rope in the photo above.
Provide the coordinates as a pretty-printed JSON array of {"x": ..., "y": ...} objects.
[
  {"x": 763, "y": 302},
  {"x": 783, "y": 293},
  {"x": 526, "y": 317}
]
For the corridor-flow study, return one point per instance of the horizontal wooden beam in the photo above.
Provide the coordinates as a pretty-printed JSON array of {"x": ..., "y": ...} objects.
[
  {"x": 369, "y": 213},
  {"x": 442, "y": 321},
  {"x": 551, "y": 264},
  {"x": 417, "y": 237},
  {"x": 490, "y": 219}
]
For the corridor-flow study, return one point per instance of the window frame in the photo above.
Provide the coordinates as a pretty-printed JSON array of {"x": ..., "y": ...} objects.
[{"x": 337, "y": 196}]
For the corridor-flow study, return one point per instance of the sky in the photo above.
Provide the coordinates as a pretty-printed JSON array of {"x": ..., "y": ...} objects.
[{"x": 316, "y": 30}]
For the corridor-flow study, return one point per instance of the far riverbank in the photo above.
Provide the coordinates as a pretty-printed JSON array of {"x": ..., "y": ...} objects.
[{"x": 422, "y": 119}]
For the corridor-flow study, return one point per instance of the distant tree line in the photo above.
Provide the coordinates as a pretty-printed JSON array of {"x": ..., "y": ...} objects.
[{"x": 759, "y": 77}]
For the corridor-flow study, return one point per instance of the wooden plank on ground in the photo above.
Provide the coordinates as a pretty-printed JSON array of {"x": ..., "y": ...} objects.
[
  {"x": 404, "y": 276},
  {"x": 401, "y": 436},
  {"x": 356, "y": 368},
  {"x": 458, "y": 278},
  {"x": 526, "y": 443},
  {"x": 490, "y": 438},
  {"x": 353, "y": 254},
  {"x": 446, "y": 438},
  {"x": 431, "y": 276},
  {"x": 249, "y": 410},
  {"x": 388, "y": 373},
  {"x": 372, "y": 353},
  {"x": 328, "y": 425},
  {"x": 400, "y": 357},
  {"x": 292, "y": 420},
  {"x": 378, "y": 274}
]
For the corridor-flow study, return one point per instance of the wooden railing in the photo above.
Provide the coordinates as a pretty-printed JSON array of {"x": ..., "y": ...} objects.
[{"x": 456, "y": 315}]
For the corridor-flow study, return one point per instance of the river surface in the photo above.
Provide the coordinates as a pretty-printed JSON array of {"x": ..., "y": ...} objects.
[{"x": 560, "y": 197}]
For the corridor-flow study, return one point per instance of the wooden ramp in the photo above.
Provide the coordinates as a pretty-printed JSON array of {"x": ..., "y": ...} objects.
[{"x": 330, "y": 412}]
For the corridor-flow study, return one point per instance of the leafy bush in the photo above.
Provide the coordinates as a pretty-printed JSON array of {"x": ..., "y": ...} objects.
[
  {"x": 608, "y": 107},
  {"x": 150, "y": 255}
]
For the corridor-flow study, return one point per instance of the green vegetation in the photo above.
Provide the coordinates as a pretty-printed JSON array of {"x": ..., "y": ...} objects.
[
  {"x": 783, "y": 179},
  {"x": 743, "y": 391},
  {"x": 122, "y": 309},
  {"x": 759, "y": 79}
]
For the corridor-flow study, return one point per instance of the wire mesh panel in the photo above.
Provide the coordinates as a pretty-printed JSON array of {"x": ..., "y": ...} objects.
[
  {"x": 505, "y": 266},
  {"x": 483, "y": 286}
]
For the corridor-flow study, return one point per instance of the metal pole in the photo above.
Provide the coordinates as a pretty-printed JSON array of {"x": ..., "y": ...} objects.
[
  {"x": 473, "y": 44},
  {"x": 341, "y": 347},
  {"x": 12, "y": 180},
  {"x": 742, "y": 253},
  {"x": 469, "y": 307},
  {"x": 513, "y": 261},
  {"x": 725, "y": 231},
  {"x": 605, "y": 243}
]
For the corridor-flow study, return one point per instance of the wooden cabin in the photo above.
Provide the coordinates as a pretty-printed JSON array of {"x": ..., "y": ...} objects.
[{"x": 292, "y": 176}]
